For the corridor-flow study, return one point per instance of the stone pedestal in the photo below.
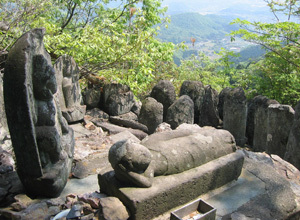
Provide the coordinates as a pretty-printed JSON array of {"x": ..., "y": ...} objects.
[{"x": 168, "y": 192}]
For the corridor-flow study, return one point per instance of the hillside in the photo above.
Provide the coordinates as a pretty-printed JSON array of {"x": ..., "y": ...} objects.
[{"x": 201, "y": 27}]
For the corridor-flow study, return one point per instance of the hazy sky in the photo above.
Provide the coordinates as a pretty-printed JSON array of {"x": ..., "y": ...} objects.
[{"x": 203, "y": 6}]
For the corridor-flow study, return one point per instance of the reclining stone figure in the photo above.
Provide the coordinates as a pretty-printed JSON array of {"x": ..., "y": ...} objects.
[{"x": 168, "y": 153}]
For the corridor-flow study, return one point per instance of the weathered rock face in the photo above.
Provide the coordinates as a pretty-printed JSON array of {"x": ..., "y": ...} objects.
[
  {"x": 118, "y": 99},
  {"x": 257, "y": 122},
  {"x": 4, "y": 132},
  {"x": 181, "y": 111},
  {"x": 209, "y": 115},
  {"x": 195, "y": 90},
  {"x": 164, "y": 92},
  {"x": 293, "y": 146},
  {"x": 235, "y": 113},
  {"x": 69, "y": 92},
  {"x": 222, "y": 97},
  {"x": 42, "y": 141},
  {"x": 98, "y": 114},
  {"x": 136, "y": 108},
  {"x": 280, "y": 120},
  {"x": 151, "y": 114},
  {"x": 92, "y": 97}
]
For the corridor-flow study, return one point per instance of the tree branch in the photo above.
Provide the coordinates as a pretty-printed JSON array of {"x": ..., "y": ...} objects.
[
  {"x": 121, "y": 14},
  {"x": 71, "y": 14}
]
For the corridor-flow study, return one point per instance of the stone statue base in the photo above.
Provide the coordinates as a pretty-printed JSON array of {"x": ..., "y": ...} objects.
[{"x": 168, "y": 192}]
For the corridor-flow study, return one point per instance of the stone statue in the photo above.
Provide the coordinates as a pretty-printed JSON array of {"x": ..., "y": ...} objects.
[
  {"x": 69, "y": 92},
  {"x": 42, "y": 141},
  {"x": 168, "y": 153}
]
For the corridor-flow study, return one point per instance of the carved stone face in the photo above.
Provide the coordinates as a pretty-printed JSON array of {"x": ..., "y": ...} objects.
[{"x": 44, "y": 81}]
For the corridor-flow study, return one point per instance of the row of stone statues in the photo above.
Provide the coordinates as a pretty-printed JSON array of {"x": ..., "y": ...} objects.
[{"x": 40, "y": 101}]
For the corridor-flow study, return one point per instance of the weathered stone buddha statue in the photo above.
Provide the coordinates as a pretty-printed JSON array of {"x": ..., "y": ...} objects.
[
  {"x": 69, "y": 92},
  {"x": 168, "y": 153},
  {"x": 42, "y": 141}
]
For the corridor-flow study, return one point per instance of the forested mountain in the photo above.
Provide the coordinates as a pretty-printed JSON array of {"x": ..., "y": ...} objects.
[
  {"x": 185, "y": 26},
  {"x": 253, "y": 53},
  {"x": 249, "y": 9}
]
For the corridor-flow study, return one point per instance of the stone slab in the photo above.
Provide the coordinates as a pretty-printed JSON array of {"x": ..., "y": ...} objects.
[
  {"x": 245, "y": 188},
  {"x": 80, "y": 186},
  {"x": 115, "y": 129},
  {"x": 171, "y": 191}
]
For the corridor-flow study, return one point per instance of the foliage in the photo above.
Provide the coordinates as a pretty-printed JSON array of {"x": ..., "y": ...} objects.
[
  {"x": 116, "y": 43},
  {"x": 277, "y": 76},
  {"x": 249, "y": 54},
  {"x": 217, "y": 73}
]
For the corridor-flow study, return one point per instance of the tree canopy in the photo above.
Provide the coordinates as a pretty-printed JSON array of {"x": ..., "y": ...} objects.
[
  {"x": 117, "y": 43},
  {"x": 277, "y": 75}
]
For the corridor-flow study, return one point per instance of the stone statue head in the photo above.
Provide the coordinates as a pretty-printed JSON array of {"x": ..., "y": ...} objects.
[{"x": 129, "y": 155}]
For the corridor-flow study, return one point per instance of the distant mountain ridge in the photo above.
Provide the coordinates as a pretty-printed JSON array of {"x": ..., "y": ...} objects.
[
  {"x": 216, "y": 6},
  {"x": 185, "y": 26}
]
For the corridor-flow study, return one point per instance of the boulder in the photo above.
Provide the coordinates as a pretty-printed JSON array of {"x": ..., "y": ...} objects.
[
  {"x": 257, "y": 122},
  {"x": 234, "y": 109},
  {"x": 209, "y": 115},
  {"x": 163, "y": 127},
  {"x": 280, "y": 120},
  {"x": 181, "y": 111},
  {"x": 164, "y": 93},
  {"x": 91, "y": 198},
  {"x": 42, "y": 140},
  {"x": 4, "y": 132},
  {"x": 278, "y": 200},
  {"x": 195, "y": 90},
  {"x": 92, "y": 97},
  {"x": 111, "y": 208},
  {"x": 96, "y": 113},
  {"x": 6, "y": 162},
  {"x": 69, "y": 92},
  {"x": 292, "y": 154},
  {"x": 118, "y": 99},
  {"x": 136, "y": 108},
  {"x": 151, "y": 114},
  {"x": 10, "y": 186},
  {"x": 131, "y": 116}
]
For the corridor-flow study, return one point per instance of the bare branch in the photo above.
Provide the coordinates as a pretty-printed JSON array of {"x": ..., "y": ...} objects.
[{"x": 70, "y": 15}]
